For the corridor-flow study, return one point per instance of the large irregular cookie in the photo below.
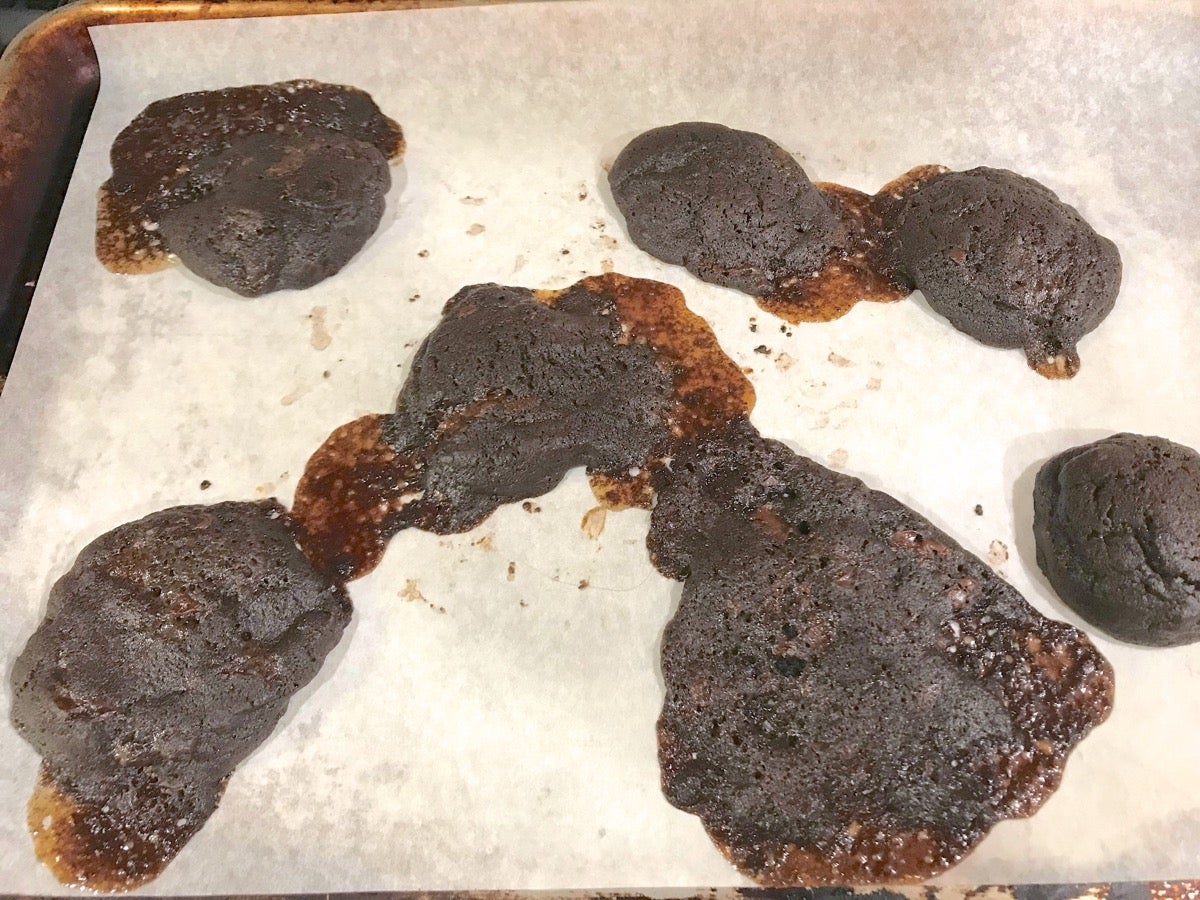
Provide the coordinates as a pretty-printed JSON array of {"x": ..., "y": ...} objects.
[
  {"x": 850, "y": 696},
  {"x": 511, "y": 390},
  {"x": 168, "y": 653},
  {"x": 256, "y": 188},
  {"x": 1007, "y": 262},
  {"x": 1117, "y": 524}
]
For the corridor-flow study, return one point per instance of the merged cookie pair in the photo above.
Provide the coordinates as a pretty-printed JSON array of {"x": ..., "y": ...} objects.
[{"x": 998, "y": 254}]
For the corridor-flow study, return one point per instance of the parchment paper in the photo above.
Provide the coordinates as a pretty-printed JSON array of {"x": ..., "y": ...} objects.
[{"x": 500, "y": 732}]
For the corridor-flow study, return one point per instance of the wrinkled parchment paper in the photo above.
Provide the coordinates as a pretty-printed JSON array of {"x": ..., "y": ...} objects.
[{"x": 476, "y": 730}]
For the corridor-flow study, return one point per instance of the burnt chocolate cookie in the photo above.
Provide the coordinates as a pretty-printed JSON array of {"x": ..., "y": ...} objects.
[
  {"x": 277, "y": 211},
  {"x": 734, "y": 207},
  {"x": 1117, "y": 525},
  {"x": 1007, "y": 262},
  {"x": 168, "y": 653},
  {"x": 511, "y": 390},
  {"x": 851, "y": 697},
  {"x": 255, "y": 189}
]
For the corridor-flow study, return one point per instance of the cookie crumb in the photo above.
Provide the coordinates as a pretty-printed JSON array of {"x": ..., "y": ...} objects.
[
  {"x": 593, "y": 521},
  {"x": 205, "y": 484},
  {"x": 838, "y": 360},
  {"x": 979, "y": 509},
  {"x": 998, "y": 553}
]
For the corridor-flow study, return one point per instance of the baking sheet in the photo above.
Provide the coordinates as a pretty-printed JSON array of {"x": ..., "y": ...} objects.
[{"x": 496, "y": 733}]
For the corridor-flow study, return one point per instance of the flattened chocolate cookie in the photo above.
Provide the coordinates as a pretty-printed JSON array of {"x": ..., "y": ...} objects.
[
  {"x": 1117, "y": 524},
  {"x": 255, "y": 189},
  {"x": 168, "y": 653},
  {"x": 1007, "y": 262},
  {"x": 732, "y": 206},
  {"x": 511, "y": 390},
  {"x": 851, "y": 697}
]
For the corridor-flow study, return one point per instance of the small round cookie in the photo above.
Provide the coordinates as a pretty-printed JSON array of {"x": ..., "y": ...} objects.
[
  {"x": 1008, "y": 263},
  {"x": 734, "y": 207},
  {"x": 1117, "y": 524}
]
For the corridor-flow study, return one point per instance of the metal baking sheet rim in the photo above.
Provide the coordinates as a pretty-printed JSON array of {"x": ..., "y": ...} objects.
[{"x": 49, "y": 77}]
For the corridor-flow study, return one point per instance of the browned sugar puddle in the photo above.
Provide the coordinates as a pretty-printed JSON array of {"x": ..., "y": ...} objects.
[
  {"x": 857, "y": 271},
  {"x": 90, "y": 845},
  {"x": 358, "y": 491},
  {"x": 152, "y": 154}
]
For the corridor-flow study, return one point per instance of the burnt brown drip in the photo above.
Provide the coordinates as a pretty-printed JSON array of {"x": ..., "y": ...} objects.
[
  {"x": 710, "y": 390},
  {"x": 858, "y": 270},
  {"x": 348, "y": 498},
  {"x": 900, "y": 187},
  {"x": 621, "y": 490},
  {"x": 1057, "y": 367},
  {"x": 851, "y": 698},
  {"x": 360, "y": 488},
  {"x": 87, "y": 844},
  {"x": 155, "y": 152}
]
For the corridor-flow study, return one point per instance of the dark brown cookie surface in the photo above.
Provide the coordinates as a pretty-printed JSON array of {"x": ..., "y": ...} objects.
[
  {"x": 1007, "y": 262},
  {"x": 168, "y": 653},
  {"x": 510, "y": 391},
  {"x": 1117, "y": 524},
  {"x": 255, "y": 188},
  {"x": 277, "y": 211},
  {"x": 732, "y": 206},
  {"x": 850, "y": 696}
]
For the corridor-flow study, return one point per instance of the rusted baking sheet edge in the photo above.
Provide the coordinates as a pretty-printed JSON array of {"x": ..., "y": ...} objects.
[
  {"x": 1154, "y": 890},
  {"x": 49, "y": 79}
]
